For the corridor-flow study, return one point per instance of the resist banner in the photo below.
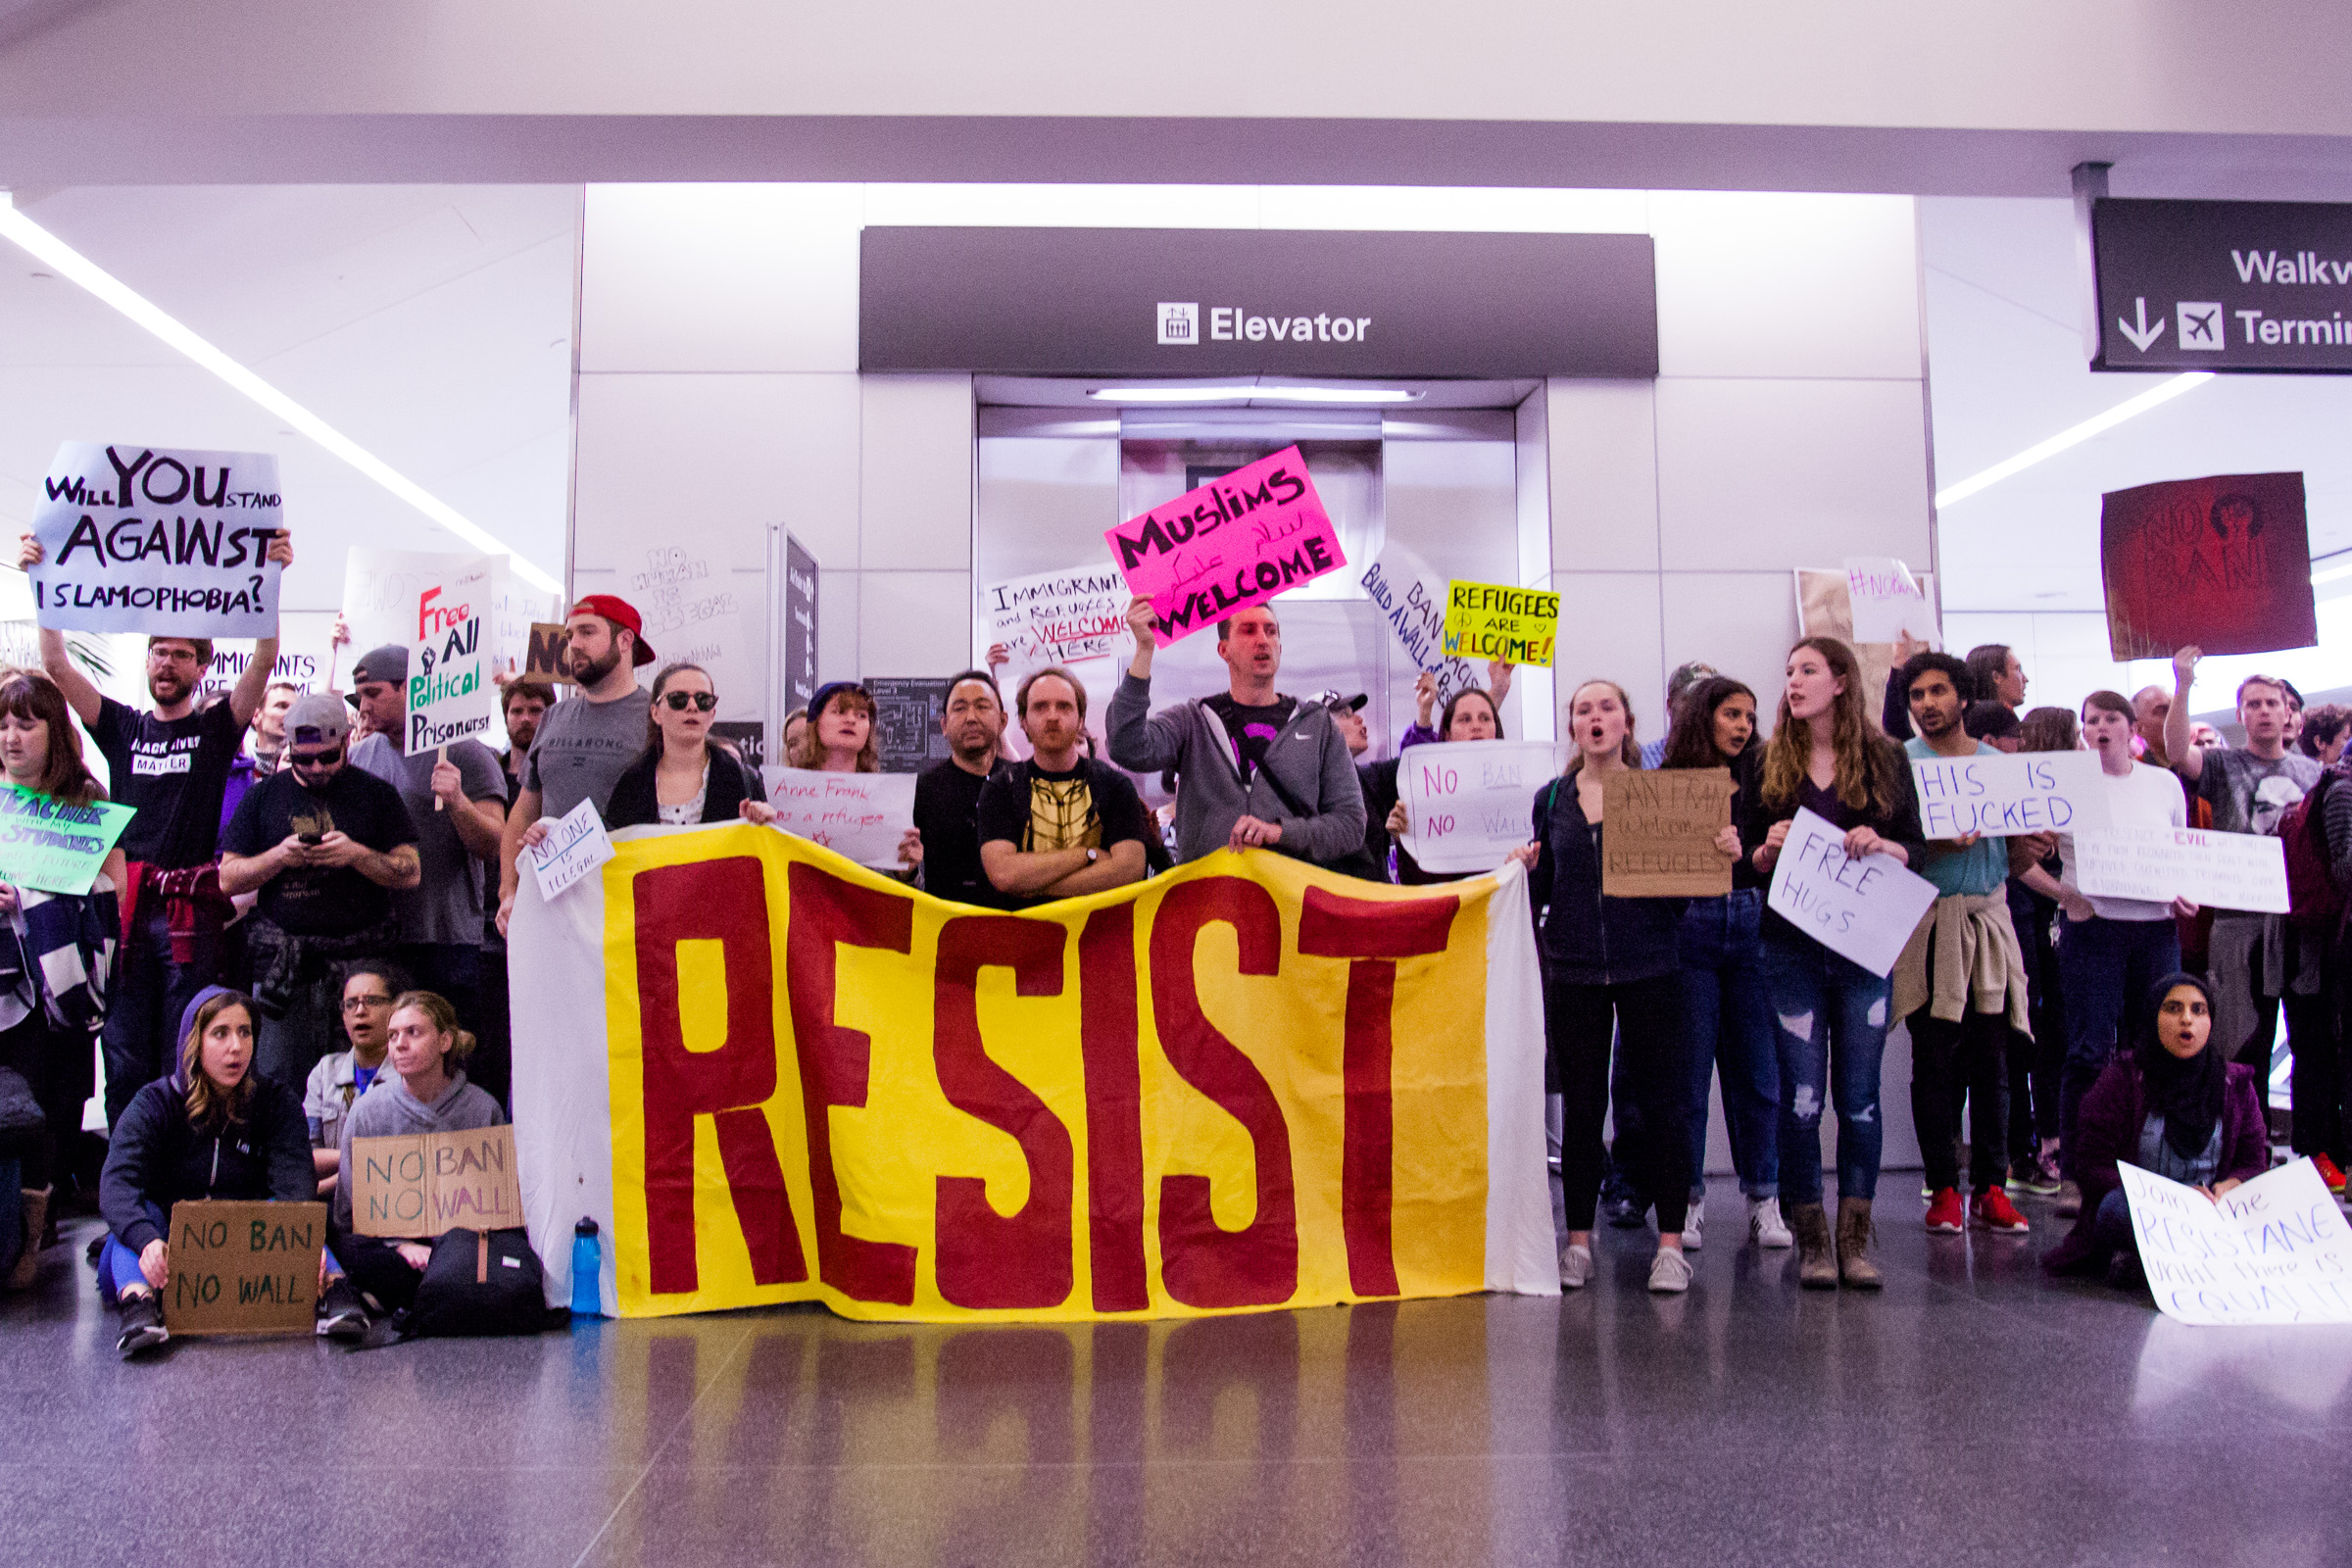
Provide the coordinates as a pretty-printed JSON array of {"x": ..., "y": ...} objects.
[
  {"x": 165, "y": 542},
  {"x": 1248, "y": 1084}
]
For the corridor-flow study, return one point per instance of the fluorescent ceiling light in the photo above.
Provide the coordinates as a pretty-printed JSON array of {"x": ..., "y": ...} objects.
[
  {"x": 72, "y": 264},
  {"x": 2331, "y": 574},
  {"x": 1203, "y": 393},
  {"x": 2075, "y": 435},
  {"x": 1335, "y": 394},
  {"x": 1170, "y": 394}
]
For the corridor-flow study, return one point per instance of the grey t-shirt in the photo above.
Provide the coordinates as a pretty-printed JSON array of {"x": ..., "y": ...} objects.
[
  {"x": 582, "y": 750},
  {"x": 445, "y": 906},
  {"x": 2249, "y": 795}
]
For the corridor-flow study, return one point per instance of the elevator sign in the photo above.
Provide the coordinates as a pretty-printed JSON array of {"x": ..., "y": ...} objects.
[{"x": 2188, "y": 285}]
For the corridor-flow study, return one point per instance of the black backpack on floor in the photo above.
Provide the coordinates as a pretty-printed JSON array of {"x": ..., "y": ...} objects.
[{"x": 480, "y": 1282}]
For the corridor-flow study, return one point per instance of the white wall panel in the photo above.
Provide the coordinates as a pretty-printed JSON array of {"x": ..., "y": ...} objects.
[
  {"x": 913, "y": 622},
  {"x": 1760, "y": 474},
  {"x": 916, "y": 500},
  {"x": 1786, "y": 285},
  {"x": 837, "y": 623},
  {"x": 1604, "y": 475},
  {"x": 1609, "y": 631},
  {"x": 721, "y": 278},
  {"x": 1742, "y": 622}
]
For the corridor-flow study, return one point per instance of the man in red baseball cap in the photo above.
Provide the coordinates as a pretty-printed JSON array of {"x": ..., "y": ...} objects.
[{"x": 588, "y": 740}]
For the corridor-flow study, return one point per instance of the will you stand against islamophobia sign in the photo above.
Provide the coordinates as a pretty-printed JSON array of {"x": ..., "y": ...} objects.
[
  {"x": 143, "y": 539},
  {"x": 1235, "y": 542}
]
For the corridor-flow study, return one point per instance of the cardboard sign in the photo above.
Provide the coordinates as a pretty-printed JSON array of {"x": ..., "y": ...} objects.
[
  {"x": 1887, "y": 603},
  {"x": 2003, "y": 794},
  {"x": 1495, "y": 620},
  {"x": 1469, "y": 804},
  {"x": 244, "y": 1268},
  {"x": 2243, "y": 872},
  {"x": 858, "y": 815},
  {"x": 1233, "y": 543},
  {"x": 2274, "y": 1249},
  {"x": 1862, "y": 909},
  {"x": 1658, "y": 828},
  {"x": 2222, "y": 563},
  {"x": 165, "y": 542},
  {"x": 575, "y": 845},
  {"x": 56, "y": 847},
  {"x": 1411, "y": 600},
  {"x": 1056, "y": 618},
  {"x": 441, "y": 609},
  {"x": 542, "y": 653},
  {"x": 422, "y": 1185}
]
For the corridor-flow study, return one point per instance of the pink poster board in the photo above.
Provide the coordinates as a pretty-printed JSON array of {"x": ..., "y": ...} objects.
[{"x": 1235, "y": 542}]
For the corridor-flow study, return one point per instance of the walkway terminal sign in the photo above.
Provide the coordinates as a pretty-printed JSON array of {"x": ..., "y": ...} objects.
[{"x": 2223, "y": 286}]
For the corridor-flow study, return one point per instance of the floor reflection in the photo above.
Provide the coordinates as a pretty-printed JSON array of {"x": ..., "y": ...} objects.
[{"x": 2300, "y": 1370}]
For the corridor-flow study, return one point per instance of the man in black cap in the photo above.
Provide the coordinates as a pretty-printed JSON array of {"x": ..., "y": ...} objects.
[
  {"x": 1378, "y": 778},
  {"x": 325, "y": 844},
  {"x": 456, "y": 795}
]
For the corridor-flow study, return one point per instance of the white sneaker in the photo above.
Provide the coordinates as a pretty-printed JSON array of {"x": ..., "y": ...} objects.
[
  {"x": 1692, "y": 1218},
  {"x": 1576, "y": 1267},
  {"x": 1765, "y": 1225},
  {"x": 1670, "y": 1272}
]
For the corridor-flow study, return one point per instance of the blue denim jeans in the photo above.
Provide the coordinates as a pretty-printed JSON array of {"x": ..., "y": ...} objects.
[
  {"x": 2107, "y": 968},
  {"x": 1831, "y": 1015},
  {"x": 1729, "y": 1018}
]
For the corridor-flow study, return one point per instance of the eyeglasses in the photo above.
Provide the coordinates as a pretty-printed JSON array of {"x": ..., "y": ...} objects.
[
  {"x": 173, "y": 656},
  {"x": 363, "y": 1003},
  {"x": 315, "y": 761},
  {"x": 702, "y": 702}
]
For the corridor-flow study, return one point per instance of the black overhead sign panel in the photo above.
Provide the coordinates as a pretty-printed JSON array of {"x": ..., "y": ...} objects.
[
  {"x": 1140, "y": 302},
  {"x": 2224, "y": 285}
]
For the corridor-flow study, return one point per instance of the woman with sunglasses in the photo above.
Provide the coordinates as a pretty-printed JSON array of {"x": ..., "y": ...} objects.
[{"x": 682, "y": 778}]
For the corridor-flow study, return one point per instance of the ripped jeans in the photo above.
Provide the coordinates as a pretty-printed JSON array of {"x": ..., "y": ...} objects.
[{"x": 1831, "y": 1018}]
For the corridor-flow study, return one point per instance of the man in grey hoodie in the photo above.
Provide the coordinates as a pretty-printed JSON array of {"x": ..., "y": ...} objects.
[{"x": 1256, "y": 769}]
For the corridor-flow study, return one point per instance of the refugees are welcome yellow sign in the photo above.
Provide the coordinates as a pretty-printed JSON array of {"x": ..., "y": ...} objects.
[{"x": 1495, "y": 620}]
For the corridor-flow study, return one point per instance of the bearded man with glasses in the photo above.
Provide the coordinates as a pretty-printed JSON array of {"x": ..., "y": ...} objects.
[{"x": 325, "y": 845}]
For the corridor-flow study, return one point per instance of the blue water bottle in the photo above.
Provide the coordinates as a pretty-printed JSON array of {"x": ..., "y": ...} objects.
[{"x": 587, "y": 1271}]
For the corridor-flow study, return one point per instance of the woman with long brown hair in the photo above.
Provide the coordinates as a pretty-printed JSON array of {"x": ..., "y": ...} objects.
[
  {"x": 49, "y": 1020},
  {"x": 1827, "y": 755},
  {"x": 681, "y": 779}
]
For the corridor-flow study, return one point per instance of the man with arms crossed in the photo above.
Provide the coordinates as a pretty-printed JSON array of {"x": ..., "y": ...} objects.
[{"x": 1060, "y": 824}]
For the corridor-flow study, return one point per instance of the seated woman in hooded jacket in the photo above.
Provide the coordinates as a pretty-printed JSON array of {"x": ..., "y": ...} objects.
[
  {"x": 213, "y": 1129},
  {"x": 2175, "y": 1105}
]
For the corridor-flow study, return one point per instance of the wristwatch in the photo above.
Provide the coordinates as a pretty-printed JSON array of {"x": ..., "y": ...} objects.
[{"x": 1092, "y": 855}]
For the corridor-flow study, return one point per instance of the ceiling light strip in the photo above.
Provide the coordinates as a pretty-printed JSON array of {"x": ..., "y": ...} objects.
[
  {"x": 72, "y": 264},
  {"x": 2073, "y": 436}
]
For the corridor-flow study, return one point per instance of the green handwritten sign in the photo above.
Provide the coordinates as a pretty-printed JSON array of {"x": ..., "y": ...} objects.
[{"x": 56, "y": 847}]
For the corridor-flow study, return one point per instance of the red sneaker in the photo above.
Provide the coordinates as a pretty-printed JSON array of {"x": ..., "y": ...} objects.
[
  {"x": 1993, "y": 1212},
  {"x": 2329, "y": 1173},
  {"x": 1945, "y": 1213}
]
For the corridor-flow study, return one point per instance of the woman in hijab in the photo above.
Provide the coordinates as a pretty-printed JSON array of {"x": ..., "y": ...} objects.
[{"x": 2174, "y": 1105}]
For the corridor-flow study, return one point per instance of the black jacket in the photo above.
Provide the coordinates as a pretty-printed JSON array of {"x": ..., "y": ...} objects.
[
  {"x": 1896, "y": 817},
  {"x": 157, "y": 1158},
  {"x": 635, "y": 804},
  {"x": 1589, "y": 940}
]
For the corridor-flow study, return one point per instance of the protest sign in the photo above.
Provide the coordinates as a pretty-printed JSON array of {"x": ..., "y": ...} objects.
[
  {"x": 244, "y": 1268},
  {"x": 1495, "y": 620},
  {"x": 2274, "y": 1249},
  {"x": 423, "y": 1185},
  {"x": 1056, "y": 618},
  {"x": 1411, "y": 600},
  {"x": 772, "y": 1076},
  {"x": 304, "y": 655},
  {"x": 165, "y": 542},
  {"x": 56, "y": 847},
  {"x": 2001, "y": 795},
  {"x": 1232, "y": 543},
  {"x": 860, "y": 816},
  {"x": 440, "y": 608},
  {"x": 1469, "y": 804},
  {"x": 2224, "y": 562},
  {"x": 575, "y": 845},
  {"x": 2245, "y": 871},
  {"x": 1862, "y": 909},
  {"x": 1888, "y": 603},
  {"x": 1658, "y": 833},
  {"x": 542, "y": 653}
]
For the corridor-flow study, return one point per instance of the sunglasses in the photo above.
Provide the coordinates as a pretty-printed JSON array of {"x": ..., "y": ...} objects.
[
  {"x": 316, "y": 760},
  {"x": 702, "y": 702}
]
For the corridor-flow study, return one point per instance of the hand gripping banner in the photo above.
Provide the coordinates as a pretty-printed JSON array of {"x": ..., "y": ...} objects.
[{"x": 774, "y": 1076}]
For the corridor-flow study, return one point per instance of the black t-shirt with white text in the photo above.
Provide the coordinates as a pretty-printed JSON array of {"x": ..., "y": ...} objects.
[
  {"x": 321, "y": 901},
  {"x": 174, "y": 772}
]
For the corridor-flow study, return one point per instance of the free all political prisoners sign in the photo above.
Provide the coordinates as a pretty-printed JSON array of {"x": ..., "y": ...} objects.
[
  {"x": 141, "y": 539},
  {"x": 439, "y": 606},
  {"x": 1235, "y": 542},
  {"x": 1247, "y": 1084}
]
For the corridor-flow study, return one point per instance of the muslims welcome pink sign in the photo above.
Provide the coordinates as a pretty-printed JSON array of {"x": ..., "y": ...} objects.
[{"x": 1235, "y": 542}]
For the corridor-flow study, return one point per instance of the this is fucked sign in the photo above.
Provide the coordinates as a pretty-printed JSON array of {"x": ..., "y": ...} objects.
[{"x": 418, "y": 1187}]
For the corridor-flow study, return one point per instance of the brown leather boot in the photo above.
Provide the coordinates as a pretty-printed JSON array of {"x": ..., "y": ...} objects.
[
  {"x": 1816, "y": 1268},
  {"x": 1854, "y": 1246},
  {"x": 36, "y": 1220}
]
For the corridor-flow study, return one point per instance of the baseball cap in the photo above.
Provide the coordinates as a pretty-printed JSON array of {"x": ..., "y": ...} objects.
[
  {"x": 389, "y": 662},
  {"x": 316, "y": 719},
  {"x": 825, "y": 695},
  {"x": 1334, "y": 700},
  {"x": 620, "y": 612}
]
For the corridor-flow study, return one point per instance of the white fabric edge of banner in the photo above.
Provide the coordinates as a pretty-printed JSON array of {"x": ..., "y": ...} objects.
[
  {"x": 563, "y": 1098},
  {"x": 1520, "y": 1254}
]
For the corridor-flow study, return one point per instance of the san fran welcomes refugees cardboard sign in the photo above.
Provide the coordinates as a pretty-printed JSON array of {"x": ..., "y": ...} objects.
[
  {"x": 166, "y": 542},
  {"x": 1233, "y": 543}
]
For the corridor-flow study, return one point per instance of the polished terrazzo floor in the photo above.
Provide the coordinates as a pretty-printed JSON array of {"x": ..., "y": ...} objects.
[{"x": 1972, "y": 1414}]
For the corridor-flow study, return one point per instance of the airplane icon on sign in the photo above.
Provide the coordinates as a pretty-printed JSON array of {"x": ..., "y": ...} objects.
[{"x": 2200, "y": 324}]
